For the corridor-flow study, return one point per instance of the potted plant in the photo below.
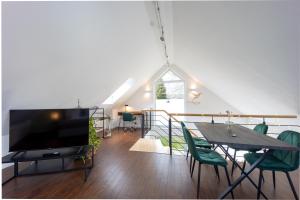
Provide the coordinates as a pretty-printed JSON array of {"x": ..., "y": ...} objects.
[{"x": 94, "y": 139}]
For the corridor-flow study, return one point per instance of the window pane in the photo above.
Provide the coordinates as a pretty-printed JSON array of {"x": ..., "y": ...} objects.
[{"x": 174, "y": 90}]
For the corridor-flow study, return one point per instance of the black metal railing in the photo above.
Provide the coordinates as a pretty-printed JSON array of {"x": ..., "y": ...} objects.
[{"x": 164, "y": 126}]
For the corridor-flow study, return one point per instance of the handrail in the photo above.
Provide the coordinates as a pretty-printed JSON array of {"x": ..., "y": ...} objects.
[
  {"x": 233, "y": 115},
  {"x": 251, "y": 124},
  {"x": 221, "y": 115}
]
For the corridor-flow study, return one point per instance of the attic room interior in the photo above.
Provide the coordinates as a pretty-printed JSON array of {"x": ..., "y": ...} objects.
[{"x": 150, "y": 99}]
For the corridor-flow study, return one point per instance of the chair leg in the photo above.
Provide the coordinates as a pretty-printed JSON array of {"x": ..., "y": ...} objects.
[
  {"x": 244, "y": 166},
  {"x": 217, "y": 172},
  {"x": 259, "y": 183},
  {"x": 228, "y": 179},
  {"x": 274, "y": 179},
  {"x": 198, "y": 185},
  {"x": 193, "y": 167},
  {"x": 233, "y": 164},
  {"x": 119, "y": 125},
  {"x": 292, "y": 185},
  {"x": 187, "y": 154},
  {"x": 191, "y": 159}
]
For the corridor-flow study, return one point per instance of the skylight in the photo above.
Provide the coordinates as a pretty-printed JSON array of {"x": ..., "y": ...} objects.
[{"x": 119, "y": 92}]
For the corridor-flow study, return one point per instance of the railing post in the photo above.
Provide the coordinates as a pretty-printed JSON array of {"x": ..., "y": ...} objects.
[
  {"x": 150, "y": 119},
  {"x": 170, "y": 135},
  {"x": 143, "y": 125}
]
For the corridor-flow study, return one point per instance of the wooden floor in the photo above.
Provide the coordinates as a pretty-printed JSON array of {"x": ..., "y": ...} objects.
[{"x": 120, "y": 173}]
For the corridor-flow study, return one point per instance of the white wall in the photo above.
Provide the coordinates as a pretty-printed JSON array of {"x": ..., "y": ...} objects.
[
  {"x": 56, "y": 52},
  {"x": 298, "y": 13},
  {"x": 209, "y": 102}
]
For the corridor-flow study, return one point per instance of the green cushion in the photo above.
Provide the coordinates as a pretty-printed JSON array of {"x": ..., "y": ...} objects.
[
  {"x": 289, "y": 157},
  {"x": 269, "y": 163},
  {"x": 205, "y": 156},
  {"x": 208, "y": 156},
  {"x": 128, "y": 117},
  {"x": 261, "y": 129},
  {"x": 279, "y": 160},
  {"x": 201, "y": 143},
  {"x": 198, "y": 141}
]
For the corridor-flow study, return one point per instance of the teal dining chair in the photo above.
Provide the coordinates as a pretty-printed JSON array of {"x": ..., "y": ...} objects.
[
  {"x": 199, "y": 143},
  {"x": 280, "y": 160},
  {"x": 260, "y": 129},
  {"x": 204, "y": 156},
  {"x": 128, "y": 117}
]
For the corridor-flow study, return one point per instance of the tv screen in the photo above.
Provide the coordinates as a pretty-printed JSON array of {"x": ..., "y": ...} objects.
[{"x": 48, "y": 129}]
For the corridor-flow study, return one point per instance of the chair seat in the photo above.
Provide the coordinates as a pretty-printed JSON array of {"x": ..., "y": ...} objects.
[
  {"x": 130, "y": 120},
  {"x": 211, "y": 157},
  {"x": 269, "y": 163},
  {"x": 201, "y": 143}
]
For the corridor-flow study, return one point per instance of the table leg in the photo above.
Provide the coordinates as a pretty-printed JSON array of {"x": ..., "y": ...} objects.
[
  {"x": 63, "y": 164},
  {"x": 119, "y": 124},
  {"x": 85, "y": 169},
  {"x": 244, "y": 175},
  {"x": 143, "y": 125},
  {"x": 16, "y": 169}
]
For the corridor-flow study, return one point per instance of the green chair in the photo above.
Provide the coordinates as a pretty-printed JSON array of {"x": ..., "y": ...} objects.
[
  {"x": 260, "y": 129},
  {"x": 204, "y": 156},
  {"x": 279, "y": 160},
  {"x": 200, "y": 143},
  {"x": 128, "y": 117}
]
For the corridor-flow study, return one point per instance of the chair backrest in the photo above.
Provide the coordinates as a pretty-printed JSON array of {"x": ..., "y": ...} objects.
[
  {"x": 182, "y": 125},
  {"x": 127, "y": 116},
  {"x": 184, "y": 135},
  {"x": 289, "y": 157},
  {"x": 191, "y": 144},
  {"x": 261, "y": 129}
]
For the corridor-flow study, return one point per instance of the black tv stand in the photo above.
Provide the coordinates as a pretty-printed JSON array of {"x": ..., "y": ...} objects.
[
  {"x": 51, "y": 161},
  {"x": 51, "y": 155}
]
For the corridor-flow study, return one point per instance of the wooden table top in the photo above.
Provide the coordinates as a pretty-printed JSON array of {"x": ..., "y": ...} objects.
[
  {"x": 245, "y": 138},
  {"x": 132, "y": 112}
]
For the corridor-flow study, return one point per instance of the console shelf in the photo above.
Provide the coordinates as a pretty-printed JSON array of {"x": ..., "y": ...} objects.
[{"x": 67, "y": 159}]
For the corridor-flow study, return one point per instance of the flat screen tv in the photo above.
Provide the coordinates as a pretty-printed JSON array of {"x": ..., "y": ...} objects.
[{"x": 48, "y": 129}]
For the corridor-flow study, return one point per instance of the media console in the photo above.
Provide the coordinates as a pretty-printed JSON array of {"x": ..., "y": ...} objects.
[{"x": 50, "y": 161}]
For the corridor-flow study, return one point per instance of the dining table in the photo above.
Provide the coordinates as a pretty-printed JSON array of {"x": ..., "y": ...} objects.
[{"x": 220, "y": 135}]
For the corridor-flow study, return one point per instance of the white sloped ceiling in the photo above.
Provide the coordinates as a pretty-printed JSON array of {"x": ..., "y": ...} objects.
[
  {"x": 56, "y": 52},
  {"x": 245, "y": 52}
]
